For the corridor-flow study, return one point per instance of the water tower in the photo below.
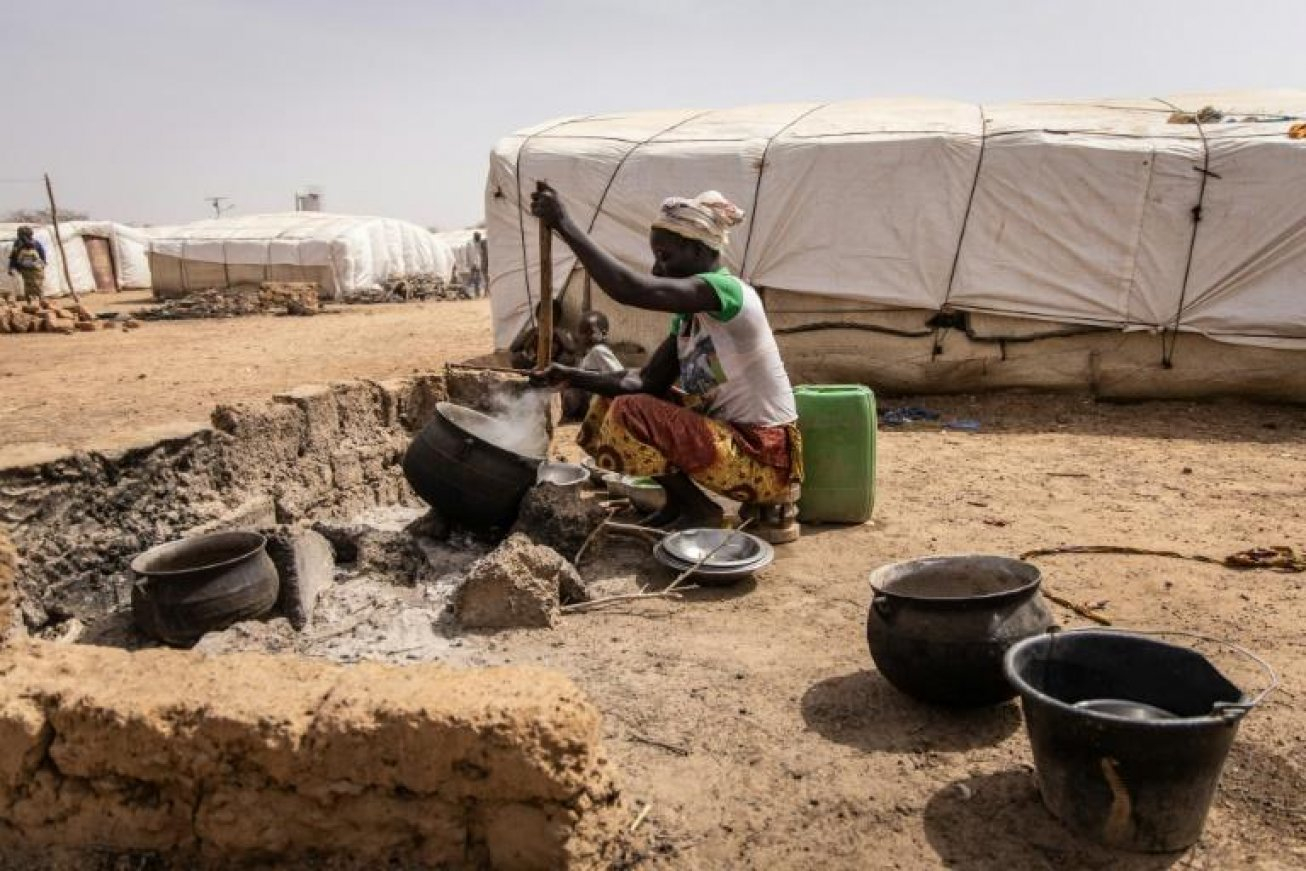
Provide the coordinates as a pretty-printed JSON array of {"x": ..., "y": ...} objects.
[{"x": 310, "y": 200}]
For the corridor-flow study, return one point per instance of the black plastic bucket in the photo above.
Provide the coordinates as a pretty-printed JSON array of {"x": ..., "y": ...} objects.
[{"x": 1129, "y": 732}]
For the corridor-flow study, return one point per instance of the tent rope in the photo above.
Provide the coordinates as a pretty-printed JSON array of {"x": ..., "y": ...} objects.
[
  {"x": 598, "y": 208},
  {"x": 937, "y": 347},
  {"x": 1170, "y": 337},
  {"x": 757, "y": 188}
]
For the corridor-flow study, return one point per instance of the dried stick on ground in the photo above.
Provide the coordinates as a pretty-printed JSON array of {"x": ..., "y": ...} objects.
[
  {"x": 671, "y": 592},
  {"x": 1078, "y": 609},
  {"x": 626, "y": 597},
  {"x": 593, "y": 534}
]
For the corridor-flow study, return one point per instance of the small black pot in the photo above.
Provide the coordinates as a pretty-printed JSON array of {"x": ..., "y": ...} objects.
[
  {"x": 197, "y": 585},
  {"x": 938, "y": 627}
]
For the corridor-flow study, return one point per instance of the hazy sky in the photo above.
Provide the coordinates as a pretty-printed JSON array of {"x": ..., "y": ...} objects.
[{"x": 141, "y": 109}]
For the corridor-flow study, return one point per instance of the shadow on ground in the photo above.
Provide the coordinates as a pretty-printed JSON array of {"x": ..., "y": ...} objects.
[
  {"x": 997, "y": 822},
  {"x": 1222, "y": 420},
  {"x": 863, "y": 710}
]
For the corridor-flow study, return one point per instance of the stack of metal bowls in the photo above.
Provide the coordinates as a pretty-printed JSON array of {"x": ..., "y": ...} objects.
[{"x": 734, "y": 555}]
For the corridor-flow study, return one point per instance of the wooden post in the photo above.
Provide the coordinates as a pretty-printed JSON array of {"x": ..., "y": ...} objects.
[
  {"x": 58, "y": 239},
  {"x": 544, "y": 350}
]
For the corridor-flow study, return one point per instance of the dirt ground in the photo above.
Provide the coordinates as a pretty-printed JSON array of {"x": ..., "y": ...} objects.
[
  {"x": 751, "y": 719},
  {"x": 91, "y": 388},
  {"x": 755, "y": 724}
]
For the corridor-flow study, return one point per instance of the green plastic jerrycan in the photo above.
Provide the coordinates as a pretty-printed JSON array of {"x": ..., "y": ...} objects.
[{"x": 838, "y": 426}]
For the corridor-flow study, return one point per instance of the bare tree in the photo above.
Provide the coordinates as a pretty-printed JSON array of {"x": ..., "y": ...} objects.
[{"x": 42, "y": 216}]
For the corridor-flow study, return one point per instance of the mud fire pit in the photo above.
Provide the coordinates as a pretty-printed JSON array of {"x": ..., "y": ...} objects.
[{"x": 351, "y": 740}]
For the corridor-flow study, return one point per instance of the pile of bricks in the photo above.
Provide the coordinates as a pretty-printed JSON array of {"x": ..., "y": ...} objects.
[
  {"x": 292, "y": 297},
  {"x": 48, "y": 316},
  {"x": 402, "y": 288}
]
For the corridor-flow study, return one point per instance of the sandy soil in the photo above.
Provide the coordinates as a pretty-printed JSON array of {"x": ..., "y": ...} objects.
[
  {"x": 754, "y": 722},
  {"x": 89, "y": 388},
  {"x": 751, "y": 718}
]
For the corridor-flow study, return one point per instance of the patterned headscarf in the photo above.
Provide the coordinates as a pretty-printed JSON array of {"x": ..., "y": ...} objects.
[{"x": 707, "y": 218}]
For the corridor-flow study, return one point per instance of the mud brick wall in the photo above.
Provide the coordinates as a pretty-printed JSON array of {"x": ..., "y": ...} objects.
[
  {"x": 78, "y": 518},
  {"x": 252, "y": 757}
]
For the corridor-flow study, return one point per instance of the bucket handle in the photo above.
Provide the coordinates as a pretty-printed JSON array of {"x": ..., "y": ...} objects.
[{"x": 1228, "y": 710}]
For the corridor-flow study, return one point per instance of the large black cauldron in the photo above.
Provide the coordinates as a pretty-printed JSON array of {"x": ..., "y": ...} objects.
[
  {"x": 461, "y": 464},
  {"x": 938, "y": 627}
]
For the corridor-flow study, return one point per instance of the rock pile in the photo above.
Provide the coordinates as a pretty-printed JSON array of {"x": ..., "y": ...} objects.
[
  {"x": 291, "y": 297},
  {"x": 402, "y": 288},
  {"x": 49, "y": 316},
  {"x": 558, "y": 517}
]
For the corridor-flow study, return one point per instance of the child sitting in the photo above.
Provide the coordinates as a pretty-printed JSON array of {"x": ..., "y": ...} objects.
[{"x": 598, "y": 357}]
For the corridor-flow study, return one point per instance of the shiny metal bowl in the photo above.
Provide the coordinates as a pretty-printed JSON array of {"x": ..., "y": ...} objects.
[
  {"x": 562, "y": 474},
  {"x": 644, "y": 493},
  {"x": 733, "y": 549},
  {"x": 707, "y": 575}
]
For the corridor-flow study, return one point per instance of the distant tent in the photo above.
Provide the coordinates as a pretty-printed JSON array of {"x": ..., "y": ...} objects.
[
  {"x": 126, "y": 247},
  {"x": 918, "y": 235},
  {"x": 342, "y": 253}
]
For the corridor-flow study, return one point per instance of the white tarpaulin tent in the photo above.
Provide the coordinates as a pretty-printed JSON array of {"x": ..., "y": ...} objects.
[
  {"x": 129, "y": 246},
  {"x": 343, "y": 253},
  {"x": 1073, "y": 213},
  {"x": 79, "y": 264}
]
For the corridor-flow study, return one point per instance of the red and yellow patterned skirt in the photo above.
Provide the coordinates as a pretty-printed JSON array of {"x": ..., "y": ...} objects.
[{"x": 644, "y": 435}]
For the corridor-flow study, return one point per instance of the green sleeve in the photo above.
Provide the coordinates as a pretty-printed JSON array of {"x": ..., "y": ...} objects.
[
  {"x": 729, "y": 290},
  {"x": 676, "y": 323}
]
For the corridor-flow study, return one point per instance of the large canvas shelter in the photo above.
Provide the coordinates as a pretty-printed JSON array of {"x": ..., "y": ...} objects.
[
  {"x": 344, "y": 254},
  {"x": 930, "y": 238}
]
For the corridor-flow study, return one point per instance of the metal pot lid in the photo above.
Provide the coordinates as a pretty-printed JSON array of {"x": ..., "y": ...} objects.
[
  {"x": 736, "y": 549},
  {"x": 516, "y": 437}
]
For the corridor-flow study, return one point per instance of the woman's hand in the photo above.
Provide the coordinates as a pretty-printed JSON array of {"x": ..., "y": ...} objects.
[
  {"x": 552, "y": 375},
  {"x": 547, "y": 206}
]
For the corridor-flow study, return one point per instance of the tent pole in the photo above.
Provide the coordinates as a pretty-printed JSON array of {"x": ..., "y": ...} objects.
[
  {"x": 58, "y": 239},
  {"x": 544, "y": 323}
]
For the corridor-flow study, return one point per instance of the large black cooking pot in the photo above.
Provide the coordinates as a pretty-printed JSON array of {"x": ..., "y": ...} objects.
[
  {"x": 938, "y": 627},
  {"x": 461, "y": 464},
  {"x": 197, "y": 585}
]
